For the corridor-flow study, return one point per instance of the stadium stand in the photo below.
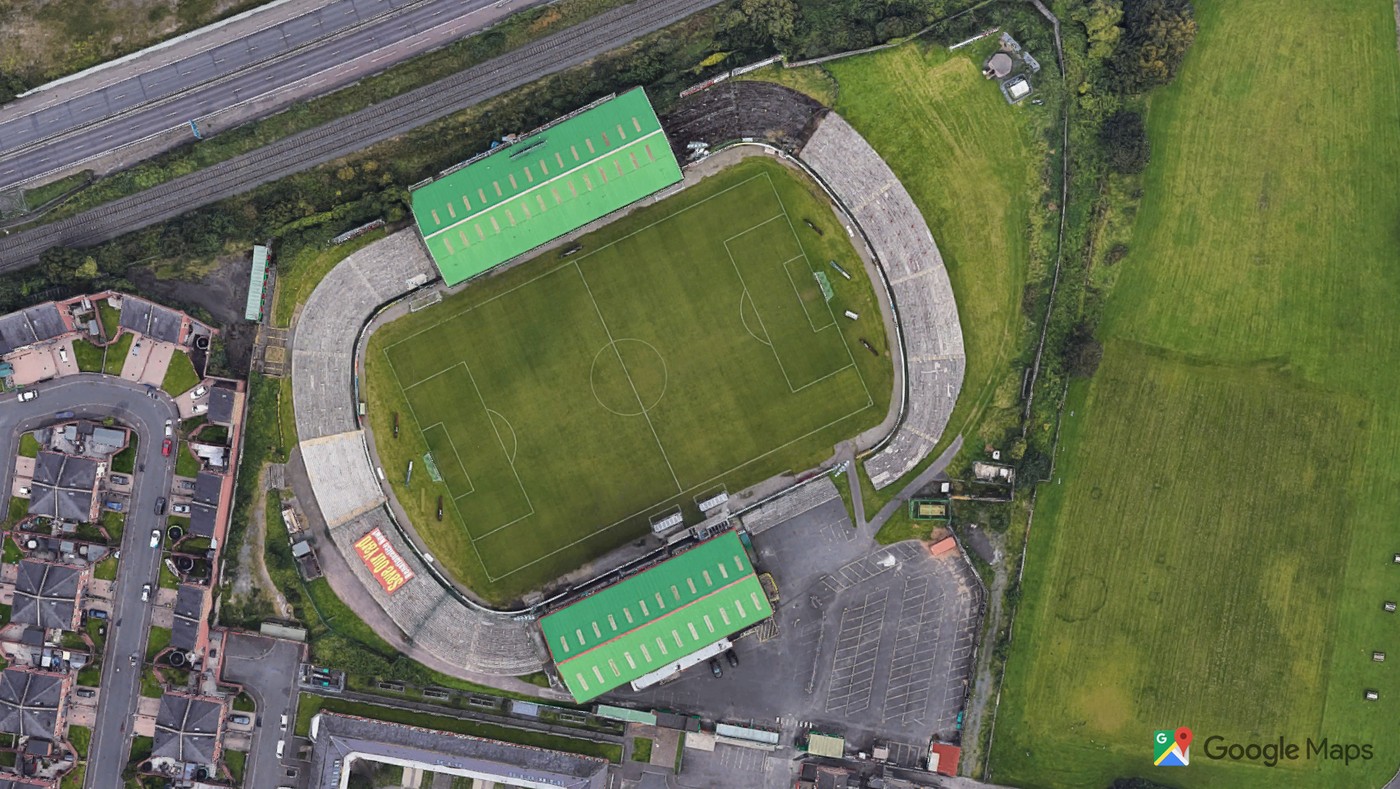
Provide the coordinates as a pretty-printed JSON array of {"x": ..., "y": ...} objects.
[
  {"x": 339, "y": 469},
  {"x": 544, "y": 184},
  {"x": 928, "y": 313},
  {"x": 743, "y": 109},
  {"x": 789, "y": 505},
  {"x": 652, "y": 621}
]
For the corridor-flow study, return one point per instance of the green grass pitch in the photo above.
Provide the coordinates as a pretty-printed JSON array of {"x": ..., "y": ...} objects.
[
  {"x": 1216, "y": 546},
  {"x": 567, "y": 400}
]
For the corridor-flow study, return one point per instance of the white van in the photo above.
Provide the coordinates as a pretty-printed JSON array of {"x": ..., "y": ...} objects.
[
  {"x": 280, "y": 746},
  {"x": 63, "y": 355}
]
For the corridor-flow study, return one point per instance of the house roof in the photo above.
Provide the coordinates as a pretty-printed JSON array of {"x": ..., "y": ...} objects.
[
  {"x": 202, "y": 520},
  {"x": 187, "y": 728},
  {"x": 30, "y": 702},
  {"x": 152, "y": 320},
  {"x": 220, "y": 405},
  {"x": 207, "y": 488},
  {"x": 189, "y": 616},
  {"x": 30, "y": 325},
  {"x": 62, "y": 486},
  {"x": 45, "y": 594}
]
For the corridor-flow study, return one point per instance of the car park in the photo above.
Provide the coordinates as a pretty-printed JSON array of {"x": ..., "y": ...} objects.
[
  {"x": 27, "y": 395},
  {"x": 160, "y": 506},
  {"x": 155, "y": 537}
]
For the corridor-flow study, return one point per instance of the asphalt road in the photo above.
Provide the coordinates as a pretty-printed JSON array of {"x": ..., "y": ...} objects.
[
  {"x": 98, "y": 396},
  {"x": 307, "y": 55},
  {"x": 554, "y": 53},
  {"x": 267, "y": 670}
]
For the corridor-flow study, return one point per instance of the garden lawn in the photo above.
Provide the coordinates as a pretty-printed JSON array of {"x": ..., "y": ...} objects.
[
  {"x": 116, "y": 355},
  {"x": 1218, "y": 550},
  {"x": 88, "y": 356},
  {"x": 180, "y": 376}
]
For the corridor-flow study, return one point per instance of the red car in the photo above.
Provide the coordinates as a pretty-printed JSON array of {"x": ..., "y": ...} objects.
[{"x": 165, "y": 447}]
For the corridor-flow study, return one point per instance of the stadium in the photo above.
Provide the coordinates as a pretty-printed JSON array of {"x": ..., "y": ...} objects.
[
  {"x": 589, "y": 381},
  {"x": 582, "y": 343}
]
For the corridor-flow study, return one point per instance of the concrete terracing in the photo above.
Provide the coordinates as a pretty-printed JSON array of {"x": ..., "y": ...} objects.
[
  {"x": 348, "y": 491},
  {"x": 928, "y": 313}
]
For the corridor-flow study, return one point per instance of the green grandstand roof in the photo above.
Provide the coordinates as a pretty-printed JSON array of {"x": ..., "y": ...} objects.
[
  {"x": 544, "y": 185},
  {"x": 656, "y": 617}
]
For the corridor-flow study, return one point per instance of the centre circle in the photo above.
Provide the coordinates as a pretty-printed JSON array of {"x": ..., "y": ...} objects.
[{"x": 628, "y": 376}]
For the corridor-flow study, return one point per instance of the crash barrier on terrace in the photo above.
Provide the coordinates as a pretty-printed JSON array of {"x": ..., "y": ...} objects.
[{"x": 341, "y": 473}]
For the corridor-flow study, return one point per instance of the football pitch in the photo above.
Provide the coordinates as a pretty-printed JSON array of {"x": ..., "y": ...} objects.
[
  {"x": 689, "y": 347},
  {"x": 1216, "y": 546}
]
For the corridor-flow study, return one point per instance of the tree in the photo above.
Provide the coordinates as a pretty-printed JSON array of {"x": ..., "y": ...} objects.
[
  {"x": 1123, "y": 136},
  {"x": 774, "y": 19},
  {"x": 1083, "y": 352},
  {"x": 1156, "y": 36},
  {"x": 1100, "y": 19}
]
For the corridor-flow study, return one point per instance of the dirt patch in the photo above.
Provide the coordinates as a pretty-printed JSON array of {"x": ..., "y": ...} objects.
[{"x": 220, "y": 292}]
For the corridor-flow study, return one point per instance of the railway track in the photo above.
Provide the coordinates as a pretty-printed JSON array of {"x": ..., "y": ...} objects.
[{"x": 330, "y": 141}]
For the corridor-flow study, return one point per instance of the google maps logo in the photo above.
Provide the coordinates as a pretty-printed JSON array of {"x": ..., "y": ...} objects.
[{"x": 1171, "y": 749}]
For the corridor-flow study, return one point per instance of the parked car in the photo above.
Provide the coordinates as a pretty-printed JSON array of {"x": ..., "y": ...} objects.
[
  {"x": 165, "y": 447},
  {"x": 151, "y": 392},
  {"x": 180, "y": 509},
  {"x": 120, "y": 479},
  {"x": 145, "y": 595},
  {"x": 136, "y": 349},
  {"x": 732, "y": 658},
  {"x": 168, "y": 432},
  {"x": 714, "y": 667},
  {"x": 160, "y": 506},
  {"x": 155, "y": 537},
  {"x": 63, "y": 355},
  {"x": 27, "y": 395},
  {"x": 85, "y": 693},
  {"x": 200, "y": 390},
  {"x": 63, "y": 415},
  {"x": 284, "y": 723},
  {"x": 241, "y": 720},
  {"x": 114, "y": 506},
  {"x": 281, "y": 745},
  {"x": 97, "y": 613}
]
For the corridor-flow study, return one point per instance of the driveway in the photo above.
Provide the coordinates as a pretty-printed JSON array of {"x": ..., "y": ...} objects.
[
  {"x": 267, "y": 670},
  {"x": 95, "y": 396}
]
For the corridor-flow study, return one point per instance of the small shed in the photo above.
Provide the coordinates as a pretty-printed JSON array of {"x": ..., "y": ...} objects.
[
  {"x": 828, "y": 745},
  {"x": 998, "y": 66}
]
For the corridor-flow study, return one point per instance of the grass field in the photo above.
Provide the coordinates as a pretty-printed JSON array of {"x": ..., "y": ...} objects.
[
  {"x": 969, "y": 162},
  {"x": 686, "y": 348},
  {"x": 1217, "y": 544}
]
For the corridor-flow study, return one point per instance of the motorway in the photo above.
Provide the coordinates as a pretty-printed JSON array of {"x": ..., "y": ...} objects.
[
  {"x": 307, "y": 55},
  {"x": 98, "y": 396},
  {"x": 382, "y": 121}
]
